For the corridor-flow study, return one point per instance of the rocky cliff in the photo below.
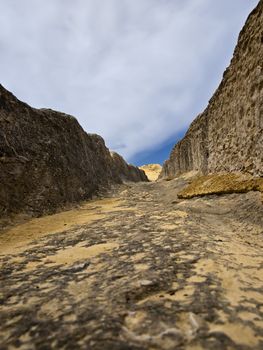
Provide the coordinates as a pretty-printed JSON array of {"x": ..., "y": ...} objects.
[
  {"x": 127, "y": 172},
  {"x": 47, "y": 160},
  {"x": 228, "y": 135}
]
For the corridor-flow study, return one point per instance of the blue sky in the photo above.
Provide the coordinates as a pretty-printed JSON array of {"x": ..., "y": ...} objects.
[{"x": 137, "y": 72}]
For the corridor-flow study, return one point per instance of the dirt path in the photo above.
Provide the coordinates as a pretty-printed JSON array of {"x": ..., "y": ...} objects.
[{"x": 143, "y": 270}]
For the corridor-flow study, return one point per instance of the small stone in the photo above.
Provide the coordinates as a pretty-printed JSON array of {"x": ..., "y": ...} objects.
[{"x": 146, "y": 282}]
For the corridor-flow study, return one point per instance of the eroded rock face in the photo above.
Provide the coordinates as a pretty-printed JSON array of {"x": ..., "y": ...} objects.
[
  {"x": 228, "y": 135},
  {"x": 127, "y": 172},
  {"x": 152, "y": 171},
  {"x": 47, "y": 159}
]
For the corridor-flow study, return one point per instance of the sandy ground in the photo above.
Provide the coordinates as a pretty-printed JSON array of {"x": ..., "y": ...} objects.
[{"x": 140, "y": 270}]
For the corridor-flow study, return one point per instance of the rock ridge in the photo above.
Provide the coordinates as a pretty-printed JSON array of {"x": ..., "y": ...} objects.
[
  {"x": 228, "y": 135},
  {"x": 48, "y": 161}
]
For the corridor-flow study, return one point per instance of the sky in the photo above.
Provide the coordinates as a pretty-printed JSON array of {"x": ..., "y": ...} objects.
[{"x": 137, "y": 72}]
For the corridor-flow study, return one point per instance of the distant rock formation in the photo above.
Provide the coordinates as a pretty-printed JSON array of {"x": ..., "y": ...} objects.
[
  {"x": 152, "y": 171},
  {"x": 228, "y": 135},
  {"x": 127, "y": 172},
  {"x": 47, "y": 160}
]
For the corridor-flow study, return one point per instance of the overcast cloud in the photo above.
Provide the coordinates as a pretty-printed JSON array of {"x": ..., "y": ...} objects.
[{"x": 134, "y": 71}]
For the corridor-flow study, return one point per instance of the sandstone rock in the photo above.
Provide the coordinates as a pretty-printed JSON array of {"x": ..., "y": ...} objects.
[
  {"x": 127, "y": 172},
  {"x": 228, "y": 135},
  {"x": 47, "y": 160},
  {"x": 152, "y": 171},
  {"x": 223, "y": 183},
  {"x": 154, "y": 276}
]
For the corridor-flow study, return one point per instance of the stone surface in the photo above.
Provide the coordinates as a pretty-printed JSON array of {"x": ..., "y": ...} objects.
[
  {"x": 47, "y": 160},
  {"x": 152, "y": 171},
  {"x": 140, "y": 271},
  {"x": 228, "y": 135},
  {"x": 127, "y": 172},
  {"x": 221, "y": 184}
]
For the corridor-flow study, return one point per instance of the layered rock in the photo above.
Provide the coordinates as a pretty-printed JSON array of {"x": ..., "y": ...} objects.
[
  {"x": 47, "y": 160},
  {"x": 228, "y": 135}
]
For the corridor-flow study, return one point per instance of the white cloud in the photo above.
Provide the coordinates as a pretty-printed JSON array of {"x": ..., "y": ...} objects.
[{"x": 134, "y": 71}]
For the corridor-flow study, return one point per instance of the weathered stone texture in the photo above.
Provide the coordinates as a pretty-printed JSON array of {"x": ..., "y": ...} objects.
[
  {"x": 127, "y": 172},
  {"x": 191, "y": 152},
  {"x": 47, "y": 160},
  {"x": 150, "y": 273},
  {"x": 228, "y": 136}
]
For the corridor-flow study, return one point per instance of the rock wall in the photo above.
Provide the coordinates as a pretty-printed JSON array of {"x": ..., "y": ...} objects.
[
  {"x": 228, "y": 135},
  {"x": 127, "y": 172},
  {"x": 47, "y": 160}
]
